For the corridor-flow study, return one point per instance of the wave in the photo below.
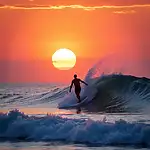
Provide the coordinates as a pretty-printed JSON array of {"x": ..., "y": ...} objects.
[
  {"x": 121, "y": 93},
  {"x": 115, "y": 93},
  {"x": 35, "y": 96},
  {"x": 107, "y": 93},
  {"x": 16, "y": 126},
  {"x": 116, "y": 84}
]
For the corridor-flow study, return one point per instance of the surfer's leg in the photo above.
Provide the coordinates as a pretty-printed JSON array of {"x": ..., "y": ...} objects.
[
  {"x": 78, "y": 96},
  {"x": 77, "y": 91}
]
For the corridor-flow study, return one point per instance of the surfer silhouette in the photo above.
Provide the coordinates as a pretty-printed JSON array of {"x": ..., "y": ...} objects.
[{"x": 76, "y": 82}]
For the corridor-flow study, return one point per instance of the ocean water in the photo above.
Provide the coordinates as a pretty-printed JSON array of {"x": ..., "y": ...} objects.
[
  {"x": 113, "y": 115},
  {"x": 111, "y": 118}
]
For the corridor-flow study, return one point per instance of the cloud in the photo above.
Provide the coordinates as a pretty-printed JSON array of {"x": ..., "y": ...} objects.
[
  {"x": 59, "y": 7},
  {"x": 73, "y": 2},
  {"x": 125, "y": 12}
]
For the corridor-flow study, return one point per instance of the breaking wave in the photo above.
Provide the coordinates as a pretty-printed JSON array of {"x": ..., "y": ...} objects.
[
  {"x": 16, "y": 126},
  {"x": 114, "y": 92}
]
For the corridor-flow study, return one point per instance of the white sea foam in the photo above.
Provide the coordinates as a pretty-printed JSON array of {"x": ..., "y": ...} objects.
[{"x": 15, "y": 126}]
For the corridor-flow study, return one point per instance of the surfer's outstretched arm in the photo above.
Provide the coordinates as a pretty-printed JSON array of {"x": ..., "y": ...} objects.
[
  {"x": 83, "y": 82},
  {"x": 71, "y": 86}
]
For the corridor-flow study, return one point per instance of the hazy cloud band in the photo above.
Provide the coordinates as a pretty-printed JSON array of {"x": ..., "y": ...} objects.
[{"x": 55, "y": 7}]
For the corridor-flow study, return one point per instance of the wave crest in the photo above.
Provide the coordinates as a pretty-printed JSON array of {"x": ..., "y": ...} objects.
[
  {"x": 115, "y": 93},
  {"x": 18, "y": 126}
]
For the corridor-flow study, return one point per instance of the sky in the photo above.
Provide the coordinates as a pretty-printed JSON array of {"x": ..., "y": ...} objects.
[{"x": 32, "y": 30}]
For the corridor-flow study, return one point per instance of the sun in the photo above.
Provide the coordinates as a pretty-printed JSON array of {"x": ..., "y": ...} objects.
[{"x": 64, "y": 59}]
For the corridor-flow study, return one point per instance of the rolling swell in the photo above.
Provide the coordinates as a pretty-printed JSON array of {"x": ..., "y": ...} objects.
[
  {"x": 120, "y": 93},
  {"x": 23, "y": 97}
]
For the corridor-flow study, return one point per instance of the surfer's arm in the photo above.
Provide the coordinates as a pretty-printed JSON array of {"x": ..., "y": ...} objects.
[
  {"x": 71, "y": 86},
  {"x": 83, "y": 82}
]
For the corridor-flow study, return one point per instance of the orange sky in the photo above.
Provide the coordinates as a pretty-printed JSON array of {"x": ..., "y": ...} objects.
[{"x": 31, "y": 31}]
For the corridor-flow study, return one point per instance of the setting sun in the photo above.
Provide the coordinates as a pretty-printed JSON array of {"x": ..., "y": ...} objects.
[{"x": 64, "y": 59}]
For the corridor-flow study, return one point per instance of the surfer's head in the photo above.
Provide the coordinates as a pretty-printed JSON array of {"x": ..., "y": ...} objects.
[{"x": 75, "y": 76}]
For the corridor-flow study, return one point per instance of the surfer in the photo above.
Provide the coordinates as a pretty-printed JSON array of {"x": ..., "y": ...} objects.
[{"x": 76, "y": 81}]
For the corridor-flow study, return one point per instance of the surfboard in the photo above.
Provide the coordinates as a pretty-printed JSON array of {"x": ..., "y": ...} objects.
[{"x": 75, "y": 105}]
